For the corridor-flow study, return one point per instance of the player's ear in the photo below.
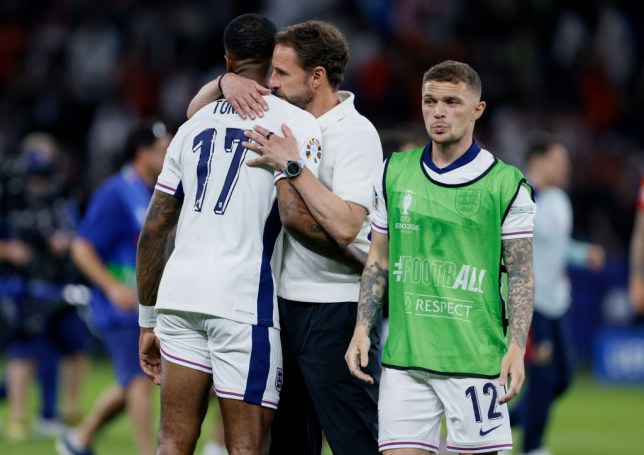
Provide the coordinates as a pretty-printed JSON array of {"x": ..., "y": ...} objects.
[
  {"x": 478, "y": 110},
  {"x": 229, "y": 62}
]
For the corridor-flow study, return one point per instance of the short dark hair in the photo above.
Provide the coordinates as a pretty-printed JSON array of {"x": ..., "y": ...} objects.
[
  {"x": 250, "y": 36},
  {"x": 454, "y": 72},
  {"x": 318, "y": 43},
  {"x": 143, "y": 134},
  {"x": 540, "y": 143}
]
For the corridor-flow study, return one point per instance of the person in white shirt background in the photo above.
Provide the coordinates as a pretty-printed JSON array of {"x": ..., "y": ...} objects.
[{"x": 549, "y": 361}]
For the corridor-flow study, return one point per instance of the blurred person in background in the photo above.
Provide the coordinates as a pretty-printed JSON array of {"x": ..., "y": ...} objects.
[
  {"x": 549, "y": 366},
  {"x": 39, "y": 222},
  {"x": 636, "y": 278},
  {"x": 105, "y": 252}
]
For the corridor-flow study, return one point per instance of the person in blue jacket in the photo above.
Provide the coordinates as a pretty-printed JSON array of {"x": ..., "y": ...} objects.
[{"x": 105, "y": 252}]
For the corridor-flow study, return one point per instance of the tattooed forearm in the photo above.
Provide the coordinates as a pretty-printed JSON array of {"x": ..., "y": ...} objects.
[
  {"x": 152, "y": 249},
  {"x": 291, "y": 201},
  {"x": 517, "y": 254},
  {"x": 373, "y": 293},
  {"x": 301, "y": 225}
]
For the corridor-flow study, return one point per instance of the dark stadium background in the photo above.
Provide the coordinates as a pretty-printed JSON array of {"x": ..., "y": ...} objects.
[{"x": 85, "y": 71}]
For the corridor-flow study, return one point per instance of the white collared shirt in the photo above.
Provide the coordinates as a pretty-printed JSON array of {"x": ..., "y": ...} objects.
[{"x": 351, "y": 157}]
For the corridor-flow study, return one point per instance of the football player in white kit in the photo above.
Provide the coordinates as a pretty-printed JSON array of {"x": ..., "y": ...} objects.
[{"x": 215, "y": 297}]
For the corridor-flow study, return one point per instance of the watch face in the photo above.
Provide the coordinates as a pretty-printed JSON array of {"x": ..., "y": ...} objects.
[{"x": 293, "y": 168}]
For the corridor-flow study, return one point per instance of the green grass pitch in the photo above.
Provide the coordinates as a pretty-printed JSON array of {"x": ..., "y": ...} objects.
[{"x": 591, "y": 419}]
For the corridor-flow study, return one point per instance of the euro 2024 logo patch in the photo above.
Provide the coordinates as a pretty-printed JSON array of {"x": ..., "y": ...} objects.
[
  {"x": 407, "y": 202},
  {"x": 468, "y": 201},
  {"x": 313, "y": 150}
]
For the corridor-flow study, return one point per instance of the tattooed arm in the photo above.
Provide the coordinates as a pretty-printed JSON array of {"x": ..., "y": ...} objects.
[
  {"x": 373, "y": 293},
  {"x": 301, "y": 225},
  {"x": 151, "y": 255},
  {"x": 517, "y": 254}
]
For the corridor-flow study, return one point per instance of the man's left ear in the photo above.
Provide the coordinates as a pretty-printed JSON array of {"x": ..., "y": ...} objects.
[
  {"x": 319, "y": 75},
  {"x": 478, "y": 110}
]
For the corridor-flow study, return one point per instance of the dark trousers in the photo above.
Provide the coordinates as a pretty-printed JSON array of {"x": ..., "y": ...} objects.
[
  {"x": 319, "y": 394},
  {"x": 547, "y": 378}
]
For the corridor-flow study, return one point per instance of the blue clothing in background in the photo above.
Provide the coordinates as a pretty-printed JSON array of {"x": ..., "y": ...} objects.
[
  {"x": 112, "y": 225},
  {"x": 122, "y": 345}
]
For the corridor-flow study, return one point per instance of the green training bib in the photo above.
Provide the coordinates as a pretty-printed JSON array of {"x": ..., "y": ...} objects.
[{"x": 446, "y": 313}]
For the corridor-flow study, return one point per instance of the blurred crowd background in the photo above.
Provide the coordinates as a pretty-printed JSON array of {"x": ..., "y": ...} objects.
[{"x": 86, "y": 71}]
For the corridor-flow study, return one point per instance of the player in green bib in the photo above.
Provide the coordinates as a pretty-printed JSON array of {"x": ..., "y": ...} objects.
[{"x": 448, "y": 220}]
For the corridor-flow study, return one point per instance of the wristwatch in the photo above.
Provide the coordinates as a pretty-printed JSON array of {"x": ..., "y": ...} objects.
[{"x": 293, "y": 168}]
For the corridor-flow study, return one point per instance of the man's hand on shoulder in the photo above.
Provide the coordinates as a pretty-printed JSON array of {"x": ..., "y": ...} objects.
[
  {"x": 275, "y": 150},
  {"x": 244, "y": 95}
]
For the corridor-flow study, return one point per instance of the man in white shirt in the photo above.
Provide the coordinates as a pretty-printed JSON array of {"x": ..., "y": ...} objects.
[{"x": 317, "y": 295}]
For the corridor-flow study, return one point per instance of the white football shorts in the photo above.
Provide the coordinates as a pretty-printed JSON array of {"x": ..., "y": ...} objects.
[
  {"x": 245, "y": 360},
  {"x": 413, "y": 403}
]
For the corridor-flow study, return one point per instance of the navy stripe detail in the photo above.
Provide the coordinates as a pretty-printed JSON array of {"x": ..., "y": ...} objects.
[
  {"x": 462, "y": 160},
  {"x": 259, "y": 368},
  {"x": 266, "y": 288},
  {"x": 460, "y": 185},
  {"x": 535, "y": 193},
  {"x": 179, "y": 191},
  {"x": 384, "y": 180}
]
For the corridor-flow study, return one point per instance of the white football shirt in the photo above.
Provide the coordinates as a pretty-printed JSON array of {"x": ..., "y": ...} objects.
[{"x": 228, "y": 222}]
